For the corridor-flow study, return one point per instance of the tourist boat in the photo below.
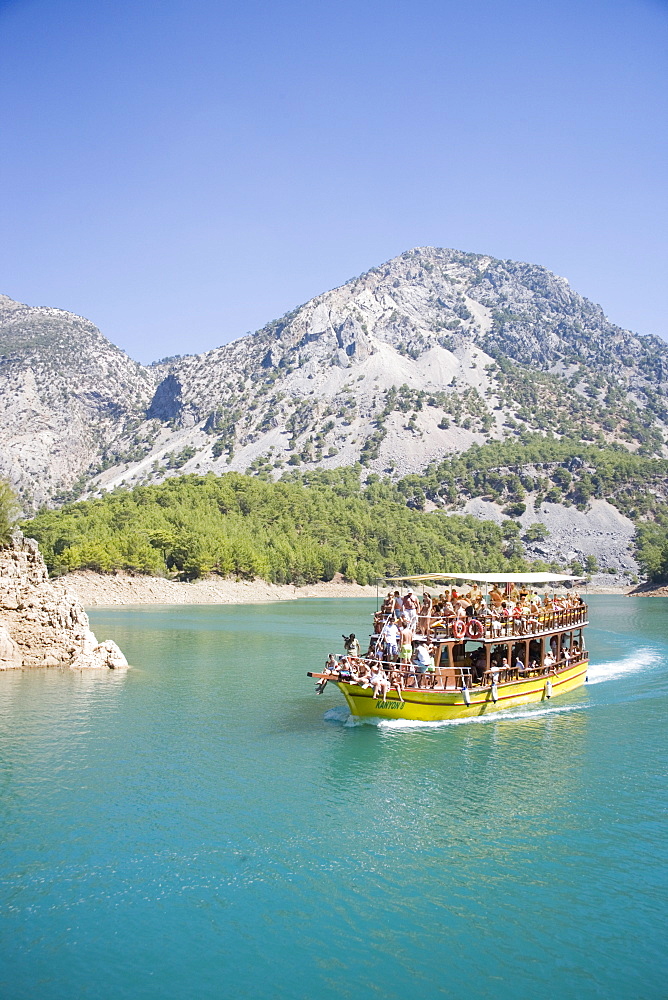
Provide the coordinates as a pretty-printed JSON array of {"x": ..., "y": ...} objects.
[{"x": 457, "y": 688}]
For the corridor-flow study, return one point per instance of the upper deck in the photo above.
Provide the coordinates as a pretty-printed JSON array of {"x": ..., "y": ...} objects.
[{"x": 486, "y": 628}]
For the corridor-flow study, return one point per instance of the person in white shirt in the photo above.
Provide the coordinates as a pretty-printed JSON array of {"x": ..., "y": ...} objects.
[
  {"x": 380, "y": 683},
  {"x": 390, "y": 637}
]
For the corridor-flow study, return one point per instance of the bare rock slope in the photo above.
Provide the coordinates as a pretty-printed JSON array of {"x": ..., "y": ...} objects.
[
  {"x": 414, "y": 360},
  {"x": 66, "y": 394},
  {"x": 43, "y": 624},
  {"x": 410, "y": 362}
]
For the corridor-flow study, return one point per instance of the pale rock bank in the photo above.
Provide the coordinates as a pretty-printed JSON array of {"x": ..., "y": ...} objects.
[
  {"x": 42, "y": 622},
  {"x": 103, "y": 590}
]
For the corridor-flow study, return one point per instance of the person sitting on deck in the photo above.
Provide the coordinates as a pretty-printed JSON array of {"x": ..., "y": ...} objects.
[
  {"x": 460, "y": 610},
  {"x": 519, "y": 665},
  {"x": 344, "y": 669},
  {"x": 362, "y": 675},
  {"x": 331, "y": 667},
  {"x": 549, "y": 661},
  {"x": 396, "y": 682},
  {"x": 379, "y": 682}
]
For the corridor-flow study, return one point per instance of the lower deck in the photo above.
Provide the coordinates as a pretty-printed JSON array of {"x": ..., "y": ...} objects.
[{"x": 434, "y": 705}]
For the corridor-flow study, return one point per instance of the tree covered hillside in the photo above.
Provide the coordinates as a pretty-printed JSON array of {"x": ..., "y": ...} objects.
[
  {"x": 312, "y": 525},
  {"x": 283, "y": 532},
  {"x": 552, "y": 469}
]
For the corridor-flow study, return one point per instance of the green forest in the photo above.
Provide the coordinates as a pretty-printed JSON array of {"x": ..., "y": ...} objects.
[
  {"x": 284, "y": 532},
  {"x": 310, "y": 526}
]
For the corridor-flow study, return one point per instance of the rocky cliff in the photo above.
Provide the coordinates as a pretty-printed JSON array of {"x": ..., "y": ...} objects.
[
  {"x": 414, "y": 360},
  {"x": 66, "y": 396},
  {"x": 43, "y": 624}
]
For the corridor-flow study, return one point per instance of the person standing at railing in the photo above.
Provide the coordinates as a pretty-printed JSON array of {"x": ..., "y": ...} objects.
[
  {"x": 406, "y": 643},
  {"x": 422, "y": 660},
  {"x": 390, "y": 639},
  {"x": 351, "y": 644},
  {"x": 411, "y": 605},
  {"x": 496, "y": 597},
  {"x": 495, "y": 621},
  {"x": 424, "y": 620}
]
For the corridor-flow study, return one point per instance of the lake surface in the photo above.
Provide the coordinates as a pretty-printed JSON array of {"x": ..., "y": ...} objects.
[{"x": 198, "y": 828}]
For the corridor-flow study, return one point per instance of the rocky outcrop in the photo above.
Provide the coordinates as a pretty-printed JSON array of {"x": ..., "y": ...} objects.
[{"x": 42, "y": 623}]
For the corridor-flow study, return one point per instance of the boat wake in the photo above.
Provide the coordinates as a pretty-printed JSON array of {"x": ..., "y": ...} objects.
[
  {"x": 527, "y": 713},
  {"x": 641, "y": 659},
  {"x": 342, "y": 715}
]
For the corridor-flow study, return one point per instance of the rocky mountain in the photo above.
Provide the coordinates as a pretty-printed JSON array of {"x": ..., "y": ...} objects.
[
  {"x": 66, "y": 394},
  {"x": 414, "y": 360}
]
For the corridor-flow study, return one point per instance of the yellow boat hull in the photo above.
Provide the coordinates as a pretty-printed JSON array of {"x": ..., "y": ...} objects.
[{"x": 420, "y": 705}]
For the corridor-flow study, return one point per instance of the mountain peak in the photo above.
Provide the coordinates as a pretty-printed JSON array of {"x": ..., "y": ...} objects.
[{"x": 417, "y": 358}]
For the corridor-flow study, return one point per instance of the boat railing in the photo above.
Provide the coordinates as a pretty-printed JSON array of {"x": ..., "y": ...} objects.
[
  {"x": 441, "y": 678},
  {"x": 485, "y": 625}
]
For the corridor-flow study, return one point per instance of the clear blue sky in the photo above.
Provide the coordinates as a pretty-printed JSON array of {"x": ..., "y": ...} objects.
[{"x": 182, "y": 172}]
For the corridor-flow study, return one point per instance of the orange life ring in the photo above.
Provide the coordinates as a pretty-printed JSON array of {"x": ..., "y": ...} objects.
[
  {"x": 475, "y": 629},
  {"x": 458, "y": 628}
]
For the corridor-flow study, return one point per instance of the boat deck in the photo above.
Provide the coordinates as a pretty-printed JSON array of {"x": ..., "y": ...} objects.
[
  {"x": 489, "y": 629},
  {"x": 441, "y": 680}
]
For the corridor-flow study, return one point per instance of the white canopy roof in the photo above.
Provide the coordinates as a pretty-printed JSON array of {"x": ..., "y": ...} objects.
[{"x": 500, "y": 577}]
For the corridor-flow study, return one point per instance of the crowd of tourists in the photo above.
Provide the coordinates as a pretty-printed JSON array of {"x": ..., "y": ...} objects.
[
  {"x": 501, "y": 607},
  {"x": 402, "y": 653}
]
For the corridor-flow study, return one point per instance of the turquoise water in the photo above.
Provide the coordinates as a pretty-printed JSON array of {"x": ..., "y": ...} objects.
[{"x": 197, "y": 828}]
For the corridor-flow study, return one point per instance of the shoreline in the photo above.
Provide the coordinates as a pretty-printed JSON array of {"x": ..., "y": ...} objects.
[
  {"x": 99, "y": 590},
  {"x": 116, "y": 590}
]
